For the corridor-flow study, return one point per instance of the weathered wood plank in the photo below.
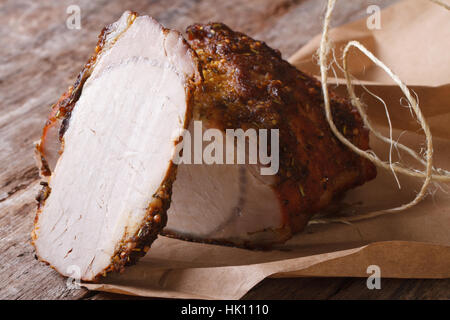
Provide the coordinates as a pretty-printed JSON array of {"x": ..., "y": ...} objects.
[{"x": 42, "y": 59}]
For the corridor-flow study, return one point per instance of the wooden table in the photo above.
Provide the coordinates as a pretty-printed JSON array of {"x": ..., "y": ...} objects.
[{"x": 40, "y": 57}]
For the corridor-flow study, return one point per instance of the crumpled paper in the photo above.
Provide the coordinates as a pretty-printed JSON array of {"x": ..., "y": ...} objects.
[{"x": 413, "y": 41}]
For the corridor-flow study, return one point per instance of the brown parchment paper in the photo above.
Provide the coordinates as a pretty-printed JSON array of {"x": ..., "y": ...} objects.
[{"x": 414, "y": 42}]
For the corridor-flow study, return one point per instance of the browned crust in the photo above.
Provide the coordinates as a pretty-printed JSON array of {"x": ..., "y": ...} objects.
[
  {"x": 134, "y": 247},
  {"x": 248, "y": 85}
]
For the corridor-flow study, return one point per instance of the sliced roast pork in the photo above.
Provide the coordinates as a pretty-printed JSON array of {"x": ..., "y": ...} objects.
[
  {"x": 245, "y": 85},
  {"x": 248, "y": 85},
  {"x": 106, "y": 151}
]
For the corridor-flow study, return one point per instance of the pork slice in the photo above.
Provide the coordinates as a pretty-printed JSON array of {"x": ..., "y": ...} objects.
[
  {"x": 107, "y": 150},
  {"x": 225, "y": 203}
]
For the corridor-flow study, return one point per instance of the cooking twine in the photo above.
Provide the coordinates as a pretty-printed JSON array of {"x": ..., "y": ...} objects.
[{"x": 430, "y": 173}]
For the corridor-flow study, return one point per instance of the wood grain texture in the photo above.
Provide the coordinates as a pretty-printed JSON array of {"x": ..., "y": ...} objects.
[{"x": 42, "y": 58}]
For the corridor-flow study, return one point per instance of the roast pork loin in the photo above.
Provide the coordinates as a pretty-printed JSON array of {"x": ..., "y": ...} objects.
[
  {"x": 106, "y": 151},
  {"x": 248, "y": 85}
]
